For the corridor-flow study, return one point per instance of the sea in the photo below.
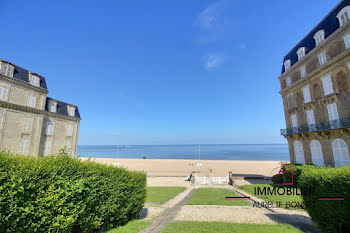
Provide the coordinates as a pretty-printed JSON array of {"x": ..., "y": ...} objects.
[{"x": 275, "y": 152}]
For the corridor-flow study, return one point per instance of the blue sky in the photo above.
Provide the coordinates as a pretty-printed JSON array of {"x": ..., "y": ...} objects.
[{"x": 162, "y": 72}]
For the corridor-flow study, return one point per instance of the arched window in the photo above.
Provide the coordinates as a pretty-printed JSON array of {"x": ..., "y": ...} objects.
[
  {"x": 316, "y": 153},
  {"x": 299, "y": 152},
  {"x": 343, "y": 15},
  {"x": 286, "y": 65},
  {"x": 340, "y": 152}
]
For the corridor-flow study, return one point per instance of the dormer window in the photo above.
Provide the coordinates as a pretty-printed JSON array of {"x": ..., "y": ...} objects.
[
  {"x": 301, "y": 53},
  {"x": 34, "y": 80},
  {"x": 71, "y": 110},
  {"x": 319, "y": 37},
  {"x": 52, "y": 106},
  {"x": 343, "y": 15},
  {"x": 6, "y": 69},
  {"x": 286, "y": 65}
]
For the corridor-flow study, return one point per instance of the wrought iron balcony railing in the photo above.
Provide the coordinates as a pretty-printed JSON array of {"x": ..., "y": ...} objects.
[{"x": 322, "y": 126}]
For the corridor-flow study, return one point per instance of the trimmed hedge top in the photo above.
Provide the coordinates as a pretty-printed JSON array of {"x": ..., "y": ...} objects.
[{"x": 62, "y": 194}]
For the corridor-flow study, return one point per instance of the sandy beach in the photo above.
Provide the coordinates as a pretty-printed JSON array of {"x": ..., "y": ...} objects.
[{"x": 181, "y": 168}]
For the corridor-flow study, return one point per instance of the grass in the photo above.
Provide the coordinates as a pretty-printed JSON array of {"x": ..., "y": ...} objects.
[
  {"x": 210, "y": 196},
  {"x": 207, "y": 227},
  {"x": 273, "y": 198},
  {"x": 131, "y": 227},
  {"x": 162, "y": 194}
]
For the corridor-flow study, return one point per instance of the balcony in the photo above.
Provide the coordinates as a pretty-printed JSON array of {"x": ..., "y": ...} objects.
[{"x": 323, "y": 126}]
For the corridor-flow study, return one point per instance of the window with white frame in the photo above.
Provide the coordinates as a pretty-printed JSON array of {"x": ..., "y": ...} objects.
[
  {"x": 343, "y": 15},
  {"x": 1, "y": 120},
  {"x": 301, "y": 53},
  {"x": 69, "y": 130},
  {"x": 288, "y": 81},
  {"x": 294, "y": 121},
  {"x": 302, "y": 71},
  {"x": 49, "y": 127},
  {"x": 4, "y": 92},
  {"x": 24, "y": 147},
  {"x": 34, "y": 80},
  {"x": 31, "y": 102},
  {"x": 6, "y": 69},
  {"x": 347, "y": 40},
  {"x": 71, "y": 110},
  {"x": 52, "y": 106},
  {"x": 69, "y": 145},
  {"x": 333, "y": 116},
  {"x": 306, "y": 93},
  {"x": 47, "y": 148},
  {"x": 286, "y": 65},
  {"x": 322, "y": 58},
  {"x": 290, "y": 98},
  {"x": 27, "y": 125},
  {"x": 319, "y": 37},
  {"x": 311, "y": 120},
  {"x": 327, "y": 85}
]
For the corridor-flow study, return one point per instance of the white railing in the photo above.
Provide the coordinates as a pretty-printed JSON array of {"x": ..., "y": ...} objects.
[{"x": 211, "y": 180}]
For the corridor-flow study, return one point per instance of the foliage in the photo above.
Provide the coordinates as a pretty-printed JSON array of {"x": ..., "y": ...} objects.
[
  {"x": 131, "y": 227},
  {"x": 211, "y": 196},
  {"x": 62, "y": 194},
  {"x": 162, "y": 194},
  {"x": 222, "y": 227},
  {"x": 331, "y": 216},
  {"x": 297, "y": 171},
  {"x": 277, "y": 179}
]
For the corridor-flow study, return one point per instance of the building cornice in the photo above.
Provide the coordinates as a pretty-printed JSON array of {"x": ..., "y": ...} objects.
[
  {"x": 315, "y": 50},
  {"x": 37, "y": 111},
  {"x": 23, "y": 84}
]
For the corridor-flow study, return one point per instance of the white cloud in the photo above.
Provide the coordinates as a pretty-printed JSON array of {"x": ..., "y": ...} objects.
[
  {"x": 212, "y": 61},
  {"x": 209, "y": 17}
]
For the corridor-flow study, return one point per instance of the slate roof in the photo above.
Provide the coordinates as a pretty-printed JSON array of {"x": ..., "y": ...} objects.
[
  {"x": 23, "y": 75},
  {"x": 329, "y": 24},
  {"x": 61, "y": 107}
]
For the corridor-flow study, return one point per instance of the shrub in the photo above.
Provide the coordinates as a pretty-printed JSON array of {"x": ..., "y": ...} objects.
[
  {"x": 62, "y": 194},
  {"x": 277, "y": 179},
  {"x": 331, "y": 216},
  {"x": 297, "y": 171}
]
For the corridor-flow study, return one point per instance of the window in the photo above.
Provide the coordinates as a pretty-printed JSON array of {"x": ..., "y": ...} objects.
[
  {"x": 319, "y": 37},
  {"x": 31, "y": 101},
  {"x": 69, "y": 145},
  {"x": 52, "y": 106},
  {"x": 27, "y": 125},
  {"x": 333, "y": 116},
  {"x": 4, "y": 91},
  {"x": 6, "y": 69},
  {"x": 49, "y": 127},
  {"x": 69, "y": 130},
  {"x": 286, "y": 65},
  {"x": 288, "y": 81},
  {"x": 301, "y": 53},
  {"x": 327, "y": 85},
  {"x": 311, "y": 120},
  {"x": 343, "y": 15},
  {"x": 71, "y": 110},
  {"x": 299, "y": 152},
  {"x": 291, "y": 101},
  {"x": 1, "y": 120},
  {"x": 34, "y": 80},
  {"x": 47, "y": 149},
  {"x": 306, "y": 93},
  {"x": 302, "y": 72},
  {"x": 322, "y": 58},
  {"x": 294, "y": 121},
  {"x": 316, "y": 153},
  {"x": 24, "y": 147},
  {"x": 347, "y": 41},
  {"x": 340, "y": 152}
]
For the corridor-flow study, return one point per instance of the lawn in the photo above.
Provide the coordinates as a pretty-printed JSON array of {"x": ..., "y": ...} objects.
[
  {"x": 273, "y": 198},
  {"x": 131, "y": 227},
  {"x": 211, "y": 196},
  {"x": 207, "y": 227},
  {"x": 162, "y": 194}
]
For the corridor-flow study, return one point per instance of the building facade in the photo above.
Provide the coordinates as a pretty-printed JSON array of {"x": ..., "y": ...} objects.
[
  {"x": 30, "y": 122},
  {"x": 315, "y": 88}
]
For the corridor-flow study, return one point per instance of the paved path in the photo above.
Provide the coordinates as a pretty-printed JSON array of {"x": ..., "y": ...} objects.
[{"x": 167, "y": 215}]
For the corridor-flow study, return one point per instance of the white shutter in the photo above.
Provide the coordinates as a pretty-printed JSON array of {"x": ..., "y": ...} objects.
[
  {"x": 289, "y": 81},
  {"x": 27, "y": 124},
  {"x": 316, "y": 153},
  {"x": 327, "y": 85},
  {"x": 347, "y": 41},
  {"x": 4, "y": 93},
  {"x": 322, "y": 58},
  {"x": 306, "y": 93},
  {"x": 24, "y": 147},
  {"x": 299, "y": 152},
  {"x": 340, "y": 152},
  {"x": 294, "y": 121},
  {"x": 1, "y": 120},
  {"x": 332, "y": 112},
  {"x": 47, "y": 149},
  {"x": 31, "y": 101},
  {"x": 49, "y": 128},
  {"x": 69, "y": 130},
  {"x": 303, "y": 71},
  {"x": 69, "y": 145},
  {"x": 311, "y": 120}
]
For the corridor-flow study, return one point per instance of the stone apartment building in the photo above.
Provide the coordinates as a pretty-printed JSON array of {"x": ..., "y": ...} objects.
[
  {"x": 315, "y": 88},
  {"x": 30, "y": 122}
]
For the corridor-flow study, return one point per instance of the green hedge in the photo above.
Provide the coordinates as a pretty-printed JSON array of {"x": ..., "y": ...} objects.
[
  {"x": 297, "y": 171},
  {"x": 331, "y": 216},
  {"x": 62, "y": 194},
  {"x": 277, "y": 179}
]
